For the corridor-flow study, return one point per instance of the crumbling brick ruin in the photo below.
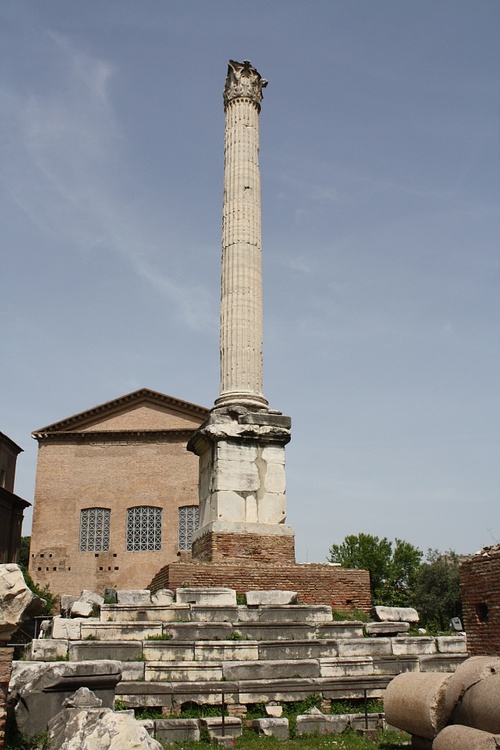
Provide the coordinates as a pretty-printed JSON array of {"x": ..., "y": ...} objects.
[{"x": 480, "y": 587}]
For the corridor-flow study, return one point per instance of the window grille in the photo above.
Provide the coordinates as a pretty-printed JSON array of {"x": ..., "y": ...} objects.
[
  {"x": 143, "y": 528},
  {"x": 188, "y": 522},
  {"x": 94, "y": 529}
]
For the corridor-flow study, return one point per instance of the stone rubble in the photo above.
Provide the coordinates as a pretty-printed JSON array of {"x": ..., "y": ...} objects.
[
  {"x": 83, "y": 725},
  {"x": 17, "y": 602}
]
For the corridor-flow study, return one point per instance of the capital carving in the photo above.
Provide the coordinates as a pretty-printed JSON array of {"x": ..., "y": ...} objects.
[{"x": 243, "y": 81}]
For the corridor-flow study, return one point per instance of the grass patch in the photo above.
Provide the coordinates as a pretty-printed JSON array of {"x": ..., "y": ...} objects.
[
  {"x": 339, "y": 615},
  {"x": 373, "y": 706}
]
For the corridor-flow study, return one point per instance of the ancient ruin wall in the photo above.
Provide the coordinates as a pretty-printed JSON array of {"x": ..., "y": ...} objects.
[
  {"x": 480, "y": 587},
  {"x": 314, "y": 583}
]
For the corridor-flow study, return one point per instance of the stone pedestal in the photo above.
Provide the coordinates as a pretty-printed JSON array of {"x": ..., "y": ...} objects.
[{"x": 242, "y": 487}]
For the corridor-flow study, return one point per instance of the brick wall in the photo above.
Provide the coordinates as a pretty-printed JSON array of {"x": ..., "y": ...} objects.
[
  {"x": 480, "y": 587},
  {"x": 213, "y": 547},
  {"x": 314, "y": 583},
  {"x": 116, "y": 474},
  {"x": 5, "y": 670}
]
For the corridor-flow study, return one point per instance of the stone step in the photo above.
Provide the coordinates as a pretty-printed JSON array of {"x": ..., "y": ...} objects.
[
  {"x": 184, "y": 671},
  {"x": 308, "y": 613},
  {"x": 301, "y": 613},
  {"x": 164, "y": 693},
  {"x": 116, "y": 631},
  {"x": 151, "y": 613},
  {"x": 266, "y": 631},
  {"x": 384, "y": 652},
  {"x": 241, "y": 670},
  {"x": 124, "y": 651},
  {"x": 296, "y": 649},
  {"x": 201, "y": 631},
  {"x": 341, "y": 629},
  {"x": 230, "y": 671}
]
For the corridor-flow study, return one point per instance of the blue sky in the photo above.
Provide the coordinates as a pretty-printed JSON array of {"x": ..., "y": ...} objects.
[{"x": 380, "y": 187}]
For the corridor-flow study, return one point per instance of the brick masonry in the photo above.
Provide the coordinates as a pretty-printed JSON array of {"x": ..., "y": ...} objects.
[
  {"x": 214, "y": 547},
  {"x": 6, "y": 655},
  {"x": 315, "y": 583},
  {"x": 480, "y": 587},
  {"x": 127, "y": 453}
]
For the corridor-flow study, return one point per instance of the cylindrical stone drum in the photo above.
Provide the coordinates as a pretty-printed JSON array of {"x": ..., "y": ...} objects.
[
  {"x": 458, "y": 737},
  {"x": 418, "y": 702},
  {"x": 480, "y": 706}
]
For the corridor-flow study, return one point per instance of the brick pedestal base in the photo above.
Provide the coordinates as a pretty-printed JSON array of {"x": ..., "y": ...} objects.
[
  {"x": 313, "y": 582},
  {"x": 216, "y": 546}
]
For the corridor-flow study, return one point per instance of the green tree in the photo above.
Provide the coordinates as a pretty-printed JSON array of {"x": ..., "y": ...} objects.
[
  {"x": 24, "y": 552},
  {"x": 402, "y": 575},
  {"x": 392, "y": 571},
  {"x": 438, "y": 590}
]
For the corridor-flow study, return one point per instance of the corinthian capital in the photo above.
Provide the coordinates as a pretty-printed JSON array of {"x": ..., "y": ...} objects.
[{"x": 243, "y": 81}]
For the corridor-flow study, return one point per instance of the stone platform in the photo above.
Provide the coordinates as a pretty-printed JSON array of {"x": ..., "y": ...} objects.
[{"x": 192, "y": 651}]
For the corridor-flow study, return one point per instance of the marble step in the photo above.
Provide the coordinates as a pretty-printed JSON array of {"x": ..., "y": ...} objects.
[{"x": 164, "y": 693}]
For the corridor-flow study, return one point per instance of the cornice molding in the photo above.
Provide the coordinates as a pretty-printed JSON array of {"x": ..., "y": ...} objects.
[
  {"x": 110, "y": 407},
  {"x": 106, "y": 436}
]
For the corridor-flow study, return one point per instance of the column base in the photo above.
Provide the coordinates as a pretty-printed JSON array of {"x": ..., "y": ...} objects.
[{"x": 270, "y": 543}]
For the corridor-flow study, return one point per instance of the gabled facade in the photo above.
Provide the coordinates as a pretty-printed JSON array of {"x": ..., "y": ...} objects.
[{"x": 116, "y": 493}]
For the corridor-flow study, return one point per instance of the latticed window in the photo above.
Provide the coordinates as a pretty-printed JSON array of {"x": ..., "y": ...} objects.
[
  {"x": 143, "y": 528},
  {"x": 188, "y": 522},
  {"x": 94, "y": 529}
]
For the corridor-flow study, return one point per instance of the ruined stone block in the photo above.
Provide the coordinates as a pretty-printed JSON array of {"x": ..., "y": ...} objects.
[
  {"x": 272, "y": 727},
  {"x": 417, "y": 645},
  {"x": 364, "y": 647},
  {"x": 212, "y": 596},
  {"x": 271, "y": 597},
  {"x": 321, "y": 724},
  {"x": 134, "y": 596},
  {"x": 48, "y": 649},
  {"x": 226, "y": 651},
  {"x": 268, "y": 670},
  {"x": 213, "y": 725},
  {"x": 177, "y": 730},
  {"x": 185, "y": 671}
]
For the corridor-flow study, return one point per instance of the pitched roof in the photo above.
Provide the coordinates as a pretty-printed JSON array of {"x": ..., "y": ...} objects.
[
  {"x": 141, "y": 396},
  {"x": 10, "y": 443}
]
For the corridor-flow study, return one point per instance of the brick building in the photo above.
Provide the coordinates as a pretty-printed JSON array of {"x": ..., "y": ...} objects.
[
  {"x": 116, "y": 493},
  {"x": 12, "y": 506},
  {"x": 480, "y": 588}
]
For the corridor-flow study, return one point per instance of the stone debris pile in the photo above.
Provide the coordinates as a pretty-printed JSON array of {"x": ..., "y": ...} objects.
[
  {"x": 83, "y": 724},
  {"x": 17, "y": 602}
]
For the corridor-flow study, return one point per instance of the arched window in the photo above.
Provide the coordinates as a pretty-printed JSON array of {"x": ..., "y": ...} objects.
[
  {"x": 94, "y": 529},
  {"x": 188, "y": 522},
  {"x": 143, "y": 528}
]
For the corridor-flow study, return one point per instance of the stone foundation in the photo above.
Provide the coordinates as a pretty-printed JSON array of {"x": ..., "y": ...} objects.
[
  {"x": 315, "y": 583},
  {"x": 216, "y": 546}
]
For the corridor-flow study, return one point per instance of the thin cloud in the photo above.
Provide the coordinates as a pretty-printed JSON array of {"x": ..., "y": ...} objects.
[{"x": 66, "y": 168}]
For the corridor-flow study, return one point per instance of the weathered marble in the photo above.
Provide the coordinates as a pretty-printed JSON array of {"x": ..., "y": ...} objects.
[{"x": 17, "y": 602}]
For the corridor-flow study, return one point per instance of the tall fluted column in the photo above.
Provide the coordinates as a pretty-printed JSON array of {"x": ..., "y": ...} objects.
[
  {"x": 241, "y": 446},
  {"x": 241, "y": 275}
]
